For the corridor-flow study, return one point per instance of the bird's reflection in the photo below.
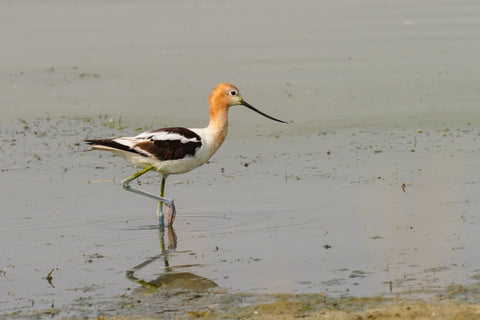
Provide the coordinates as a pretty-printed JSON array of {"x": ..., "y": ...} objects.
[
  {"x": 170, "y": 279},
  {"x": 171, "y": 243}
]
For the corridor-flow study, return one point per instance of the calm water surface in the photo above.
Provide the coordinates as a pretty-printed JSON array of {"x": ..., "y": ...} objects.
[{"x": 378, "y": 94}]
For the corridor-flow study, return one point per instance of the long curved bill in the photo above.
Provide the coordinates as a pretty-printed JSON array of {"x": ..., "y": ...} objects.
[{"x": 249, "y": 106}]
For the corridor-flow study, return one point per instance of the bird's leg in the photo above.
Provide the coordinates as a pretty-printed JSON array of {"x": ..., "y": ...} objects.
[
  {"x": 162, "y": 192},
  {"x": 160, "y": 214},
  {"x": 167, "y": 218},
  {"x": 126, "y": 186}
]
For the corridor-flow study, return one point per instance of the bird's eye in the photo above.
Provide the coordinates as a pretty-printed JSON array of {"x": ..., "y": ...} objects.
[{"x": 233, "y": 93}]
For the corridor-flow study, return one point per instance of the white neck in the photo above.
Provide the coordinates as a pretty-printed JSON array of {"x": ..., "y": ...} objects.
[{"x": 217, "y": 130}]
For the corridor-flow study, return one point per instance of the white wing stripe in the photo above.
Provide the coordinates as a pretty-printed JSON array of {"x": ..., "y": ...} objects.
[{"x": 165, "y": 136}]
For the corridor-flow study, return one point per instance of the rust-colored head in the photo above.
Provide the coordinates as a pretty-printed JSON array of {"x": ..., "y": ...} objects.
[{"x": 226, "y": 95}]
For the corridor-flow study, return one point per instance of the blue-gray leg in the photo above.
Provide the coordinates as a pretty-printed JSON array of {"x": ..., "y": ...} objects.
[{"x": 169, "y": 204}]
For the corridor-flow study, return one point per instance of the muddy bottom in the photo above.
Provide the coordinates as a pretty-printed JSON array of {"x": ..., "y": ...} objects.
[{"x": 193, "y": 304}]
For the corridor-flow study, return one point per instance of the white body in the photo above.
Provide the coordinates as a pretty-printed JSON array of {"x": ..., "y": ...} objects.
[{"x": 167, "y": 167}]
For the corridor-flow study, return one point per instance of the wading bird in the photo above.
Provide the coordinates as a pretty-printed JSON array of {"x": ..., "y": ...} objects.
[{"x": 176, "y": 149}]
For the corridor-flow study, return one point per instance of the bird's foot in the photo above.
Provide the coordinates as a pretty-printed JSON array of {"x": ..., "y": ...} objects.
[
  {"x": 166, "y": 217},
  {"x": 170, "y": 213}
]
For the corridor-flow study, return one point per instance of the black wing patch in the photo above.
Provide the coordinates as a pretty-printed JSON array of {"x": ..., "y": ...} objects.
[{"x": 167, "y": 149}]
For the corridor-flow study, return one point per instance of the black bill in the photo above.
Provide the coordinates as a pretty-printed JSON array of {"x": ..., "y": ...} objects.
[{"x": 249, "y": 106}]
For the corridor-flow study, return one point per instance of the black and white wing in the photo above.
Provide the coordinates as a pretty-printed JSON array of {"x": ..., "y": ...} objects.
[{"x": 162, "y": 144}]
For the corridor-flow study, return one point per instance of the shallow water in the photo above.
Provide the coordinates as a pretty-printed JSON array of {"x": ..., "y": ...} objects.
[
  {"x": 336, "y": 223},
  {"x": 372, "y": 189}
]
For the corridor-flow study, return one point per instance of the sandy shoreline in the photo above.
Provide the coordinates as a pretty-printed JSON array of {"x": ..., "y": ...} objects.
[{"x": 282, "y": 306}]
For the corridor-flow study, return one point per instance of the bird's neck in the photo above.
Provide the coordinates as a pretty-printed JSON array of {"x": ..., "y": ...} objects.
[{"x": 217, "y": 128}]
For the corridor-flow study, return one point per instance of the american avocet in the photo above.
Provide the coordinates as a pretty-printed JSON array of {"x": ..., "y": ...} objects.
[{"x": 176, "y": 150}]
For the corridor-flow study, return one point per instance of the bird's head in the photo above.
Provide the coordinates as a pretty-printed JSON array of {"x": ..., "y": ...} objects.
[{"x": 226, "y": 95}]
